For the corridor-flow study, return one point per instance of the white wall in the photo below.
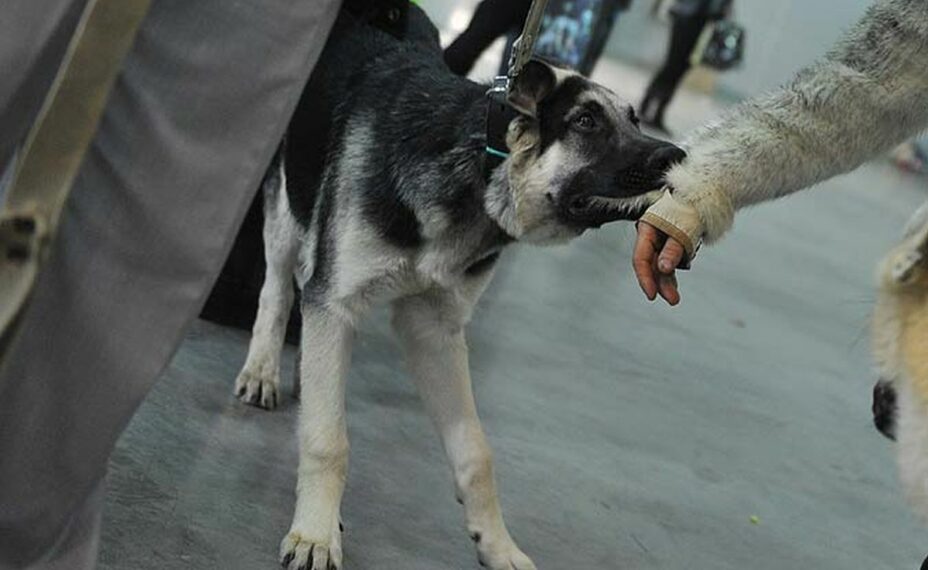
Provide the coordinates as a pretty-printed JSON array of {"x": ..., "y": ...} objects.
[{"x": 782, "y": 36}]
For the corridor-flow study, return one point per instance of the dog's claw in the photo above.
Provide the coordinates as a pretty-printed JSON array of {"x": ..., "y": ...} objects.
[
  {"x": 255, "y": 390},
  {"x": 300, "y": 553},
  {"x": 497, "y": 551}
]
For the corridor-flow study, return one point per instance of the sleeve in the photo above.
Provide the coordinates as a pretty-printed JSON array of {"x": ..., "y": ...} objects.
[{"x": 866, "y": 95}]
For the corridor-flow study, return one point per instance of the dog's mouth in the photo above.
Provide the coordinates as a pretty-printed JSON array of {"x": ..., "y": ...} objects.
[{"x": 590, "y": 203}]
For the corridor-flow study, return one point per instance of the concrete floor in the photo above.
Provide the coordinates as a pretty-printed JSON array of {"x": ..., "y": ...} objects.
[{"x": 627, "y": 435}]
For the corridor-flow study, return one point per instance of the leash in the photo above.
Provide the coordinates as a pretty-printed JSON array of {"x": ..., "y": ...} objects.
[
  {"x": 55, "y": 147},
  {"x": 499, "y": 112}
]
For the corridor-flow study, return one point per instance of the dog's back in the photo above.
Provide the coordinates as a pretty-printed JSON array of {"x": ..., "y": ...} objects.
[{"x": 354, "y": 46}]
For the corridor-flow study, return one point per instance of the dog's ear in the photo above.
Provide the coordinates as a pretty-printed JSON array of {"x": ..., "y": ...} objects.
[
  {"x": 909, "y": 260},
  {"x": 535, "y": 82}
]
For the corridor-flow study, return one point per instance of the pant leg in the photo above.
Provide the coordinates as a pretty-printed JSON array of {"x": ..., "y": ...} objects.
[
  {"x": 492, "y": 19},
  {"x": 79, "y": 543},
  {"x": 610, "y": 16},
  {"x": 193, "y": 120},
  {"x": 34, "y": 35},
  {"x": 684, "y": 35}
]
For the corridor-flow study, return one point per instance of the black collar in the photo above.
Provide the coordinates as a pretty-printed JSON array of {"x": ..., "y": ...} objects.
[{"x": 499, "y": 114}]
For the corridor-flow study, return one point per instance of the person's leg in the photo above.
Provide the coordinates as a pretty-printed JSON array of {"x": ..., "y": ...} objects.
[
  {"x": 652, "y": 95},
  {"x": 686, "y": 32},
  {"x": 492, "y": 19},
  {"x": 601, "y": 36},
  {"x": 189, "y": 129}
]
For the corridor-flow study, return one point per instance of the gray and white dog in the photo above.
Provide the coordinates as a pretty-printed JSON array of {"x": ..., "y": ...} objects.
[{"x": 379, "y": 194}]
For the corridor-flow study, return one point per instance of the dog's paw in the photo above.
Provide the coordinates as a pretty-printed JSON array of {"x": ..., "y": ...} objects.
[
  {"x": 298, "y": 551},
  {"x": 500, "y": 553},
  {"x": 254, "y": 390}
]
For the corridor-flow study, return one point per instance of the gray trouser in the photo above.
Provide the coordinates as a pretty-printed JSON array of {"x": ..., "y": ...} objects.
[{"x": 192, "y": 122}]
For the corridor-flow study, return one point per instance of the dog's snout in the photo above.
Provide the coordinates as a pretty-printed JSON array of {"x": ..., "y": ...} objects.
[{"x": 665, "y": 156}]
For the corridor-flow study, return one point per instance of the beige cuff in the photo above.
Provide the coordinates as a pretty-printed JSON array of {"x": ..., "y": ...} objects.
[{"x": 678, "y": 220}]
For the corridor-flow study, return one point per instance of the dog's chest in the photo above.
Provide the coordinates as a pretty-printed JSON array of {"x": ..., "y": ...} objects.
[{"x": 365, "y": 280}]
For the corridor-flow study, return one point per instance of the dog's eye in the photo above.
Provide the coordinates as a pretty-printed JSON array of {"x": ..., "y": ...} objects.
[{"x": 585, "y": 122}]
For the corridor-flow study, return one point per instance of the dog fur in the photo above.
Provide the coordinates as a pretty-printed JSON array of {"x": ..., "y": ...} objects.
[
  {"x": 394, "y": 207},
  {"x": 869, "y": 93},
  {"x": 900, "y": 335}
]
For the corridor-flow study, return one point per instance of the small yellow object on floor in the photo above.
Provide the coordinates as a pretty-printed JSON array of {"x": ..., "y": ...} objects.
[{"x": 755, "y": 519}]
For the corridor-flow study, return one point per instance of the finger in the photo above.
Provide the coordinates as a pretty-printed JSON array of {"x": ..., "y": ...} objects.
[
  {"x": 667, "y": 285},
  {"x": 671, "y": 256},
  {"x": 647, "y": 245}
]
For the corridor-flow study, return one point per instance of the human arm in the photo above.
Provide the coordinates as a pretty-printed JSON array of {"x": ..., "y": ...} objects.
[{"x": 867, "y": 94}]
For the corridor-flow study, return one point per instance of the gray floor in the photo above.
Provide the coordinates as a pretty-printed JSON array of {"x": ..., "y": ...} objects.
[{"x": 627, "y": 435}]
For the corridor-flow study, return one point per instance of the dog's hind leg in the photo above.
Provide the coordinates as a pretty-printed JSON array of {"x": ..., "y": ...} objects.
[
  {"x": 314, "y": 539},
  {"x": 258, "y": 383},
  {"x": 431, "y": 328}
]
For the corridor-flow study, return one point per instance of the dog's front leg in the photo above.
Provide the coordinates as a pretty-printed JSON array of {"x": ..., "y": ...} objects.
[
  {"x": 258, "y": 383},
  {"x": 432, "y": 332},
  {"x": 314, "y": 540}
]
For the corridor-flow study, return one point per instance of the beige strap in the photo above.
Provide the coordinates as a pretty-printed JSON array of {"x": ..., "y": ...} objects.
[
  {"x": 678, "y": 220},
  {"x": 55, "y": 148}
]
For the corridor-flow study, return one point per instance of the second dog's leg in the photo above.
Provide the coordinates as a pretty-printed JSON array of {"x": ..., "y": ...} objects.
[
  {"x": 314, "y": 540},
  {"x": 433, "y": 335},
  {"x": 258, "y": 383}
]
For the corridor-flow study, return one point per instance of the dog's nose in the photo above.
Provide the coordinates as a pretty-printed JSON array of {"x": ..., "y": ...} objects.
[
  {"x": 665, "y": 156},
  {"x": 885, "y": 408}
]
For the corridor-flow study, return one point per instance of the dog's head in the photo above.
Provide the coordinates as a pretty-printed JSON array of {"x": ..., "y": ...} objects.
[
  {"x": 577, "y": 157},
  {"x": 900, "y": 321}
]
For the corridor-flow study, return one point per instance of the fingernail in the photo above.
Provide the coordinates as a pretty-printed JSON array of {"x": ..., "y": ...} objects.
[{"x": 664, "y": 265}]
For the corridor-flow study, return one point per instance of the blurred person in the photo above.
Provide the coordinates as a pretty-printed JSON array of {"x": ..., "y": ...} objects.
[
  {"x": 172, "y": 168},
  {"x": 492, "y": 19},
  {"x": 600, "y": 34},
  {"x": 912, "y": 156},
  {"x": 497, "y": 18},
  {"x": 690, "y": 18}
]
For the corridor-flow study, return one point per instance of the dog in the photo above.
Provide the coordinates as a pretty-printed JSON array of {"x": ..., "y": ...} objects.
[
  {"x": 393, "y": 204},
  {"x": 900, "y": 335}
]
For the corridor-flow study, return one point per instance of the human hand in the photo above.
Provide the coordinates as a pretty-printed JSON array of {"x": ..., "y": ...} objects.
[{"x": 656, "y": 258}]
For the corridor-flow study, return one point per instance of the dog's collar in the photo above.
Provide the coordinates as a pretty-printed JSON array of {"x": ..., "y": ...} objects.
[{"x": 499, "y": 114}]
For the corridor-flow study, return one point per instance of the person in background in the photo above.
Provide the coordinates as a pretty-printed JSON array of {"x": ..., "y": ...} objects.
[
  {"x": 690, "y": 18},
  {"x": 492, "y": 19},
  {"x": 912, "y": 156},
  {"x": 497, "y": 18}
]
